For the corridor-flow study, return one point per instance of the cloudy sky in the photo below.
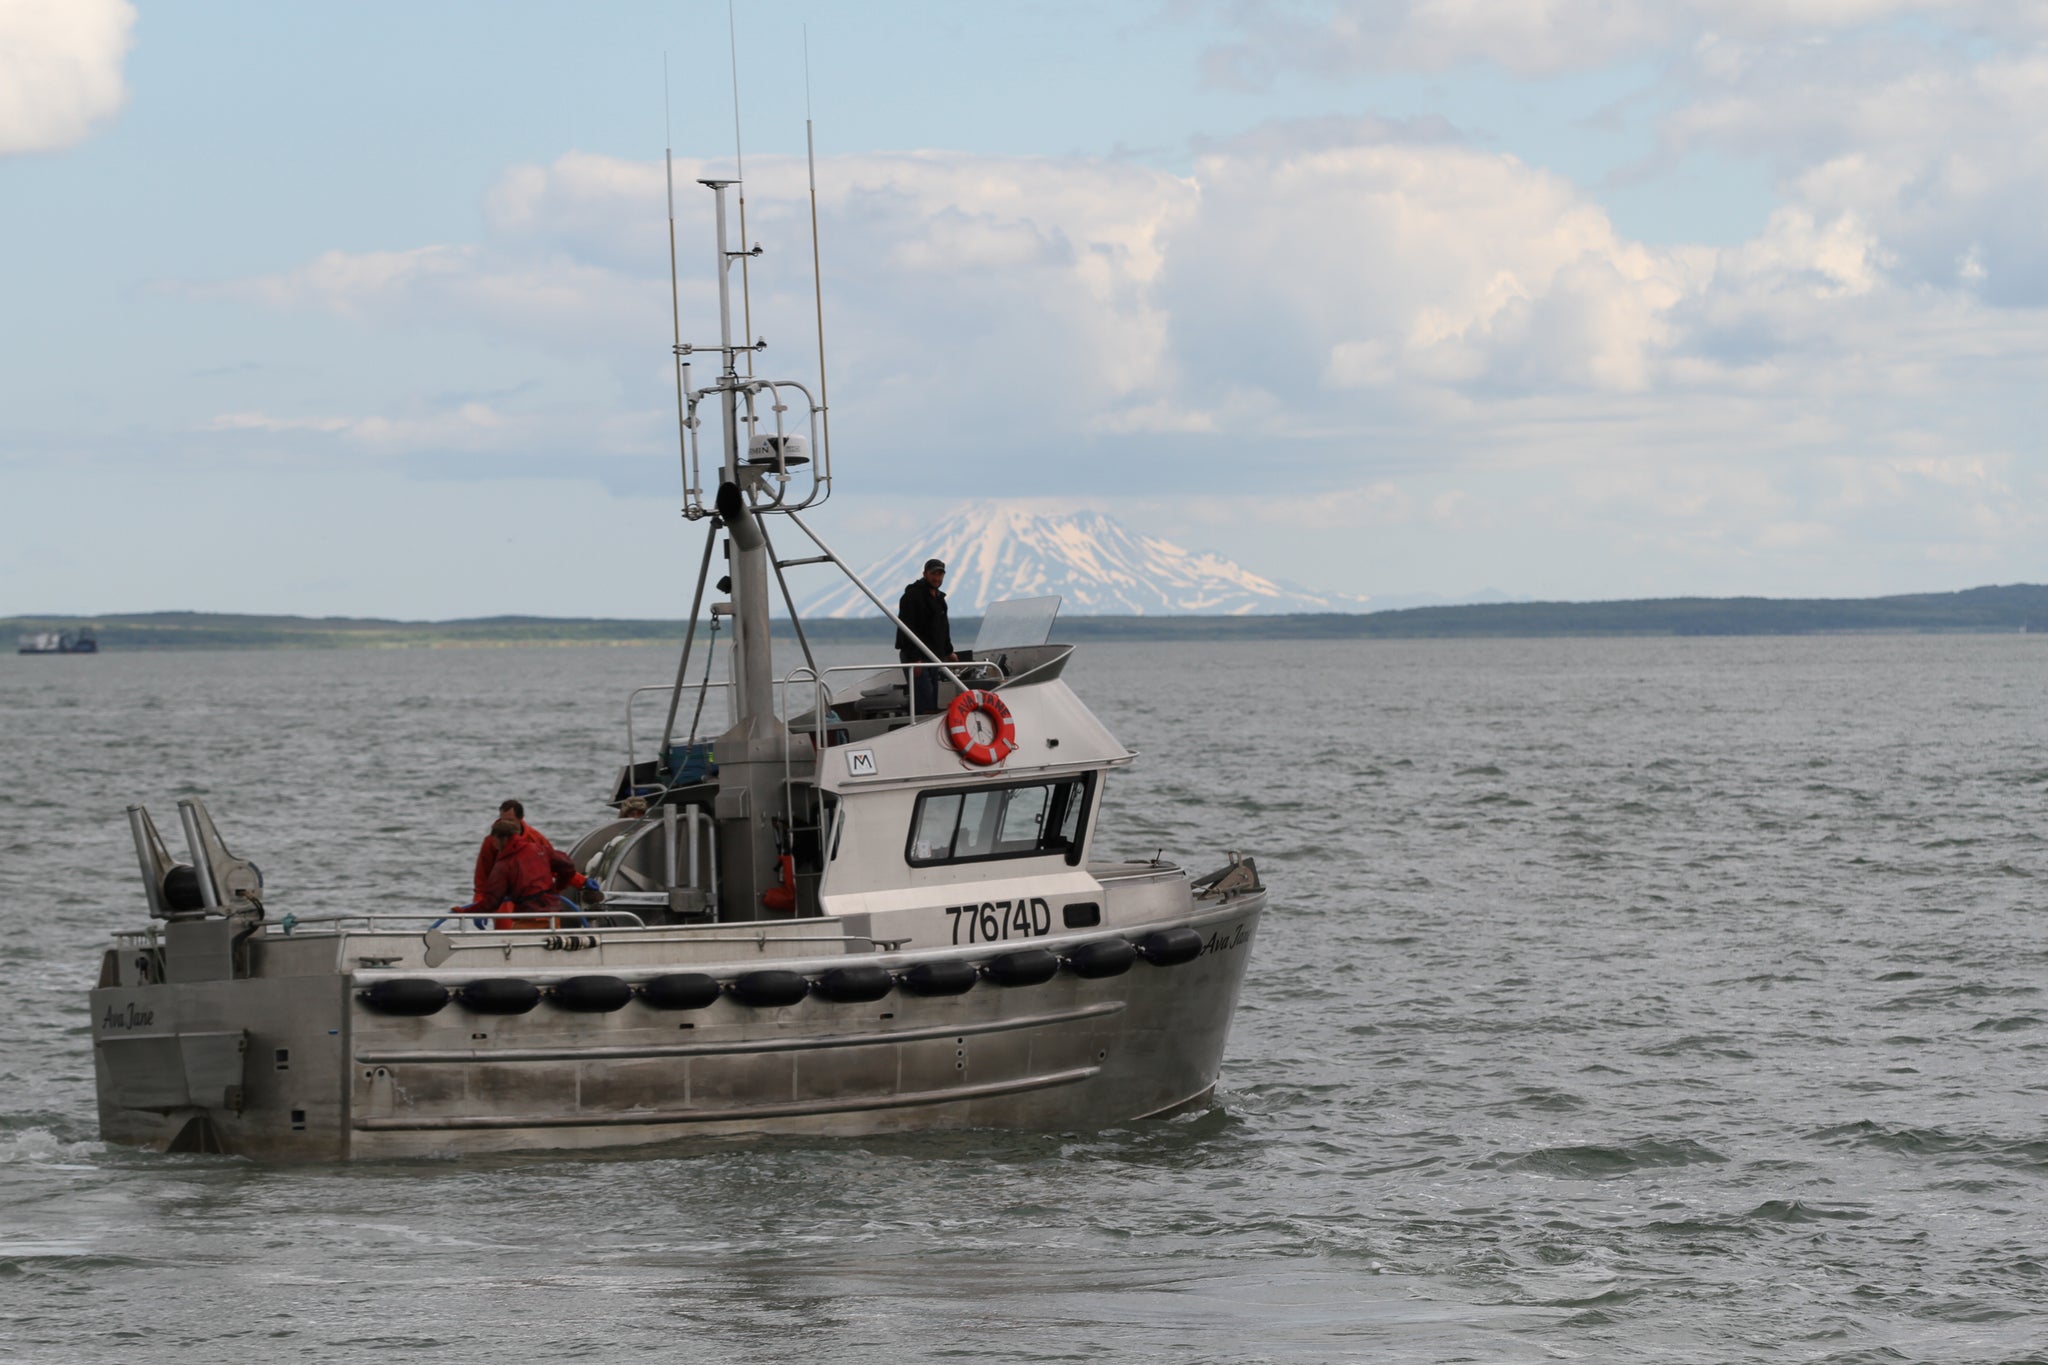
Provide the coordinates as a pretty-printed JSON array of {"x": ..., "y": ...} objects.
[{"x": 363, "y": 309}]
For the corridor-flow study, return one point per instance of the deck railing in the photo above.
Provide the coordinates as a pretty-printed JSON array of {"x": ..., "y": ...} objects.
[{"x": 815, "y": 696}]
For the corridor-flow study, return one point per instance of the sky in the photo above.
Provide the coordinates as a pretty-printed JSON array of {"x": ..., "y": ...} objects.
[{"x": 364, "y": 309}]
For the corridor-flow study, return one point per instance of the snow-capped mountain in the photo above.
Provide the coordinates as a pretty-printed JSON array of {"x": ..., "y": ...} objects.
[{"x": 1094, "y": 563}]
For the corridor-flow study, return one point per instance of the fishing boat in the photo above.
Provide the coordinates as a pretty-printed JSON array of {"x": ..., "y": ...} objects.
[{"x": 818, "y": 910}]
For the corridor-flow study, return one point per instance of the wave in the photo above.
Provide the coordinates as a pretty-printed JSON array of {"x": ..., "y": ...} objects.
[
  {"x": 1601, "y": 1161},
  {"x": 2027, "y": 1153}
]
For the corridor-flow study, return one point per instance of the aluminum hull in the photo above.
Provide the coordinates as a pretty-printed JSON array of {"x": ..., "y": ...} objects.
[{"x": 298, "y": 1067}]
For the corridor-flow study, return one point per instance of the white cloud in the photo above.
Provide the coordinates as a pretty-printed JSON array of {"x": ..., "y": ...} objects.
[
  {"x": 541, "y": 294},
  {"x": 60, "y": 70},
  {"x": 1918, "y": 119},
  {"x": 1414, "y": 334},
  {"x": 1010, "y": 288},
  {"x": 1301, "y": 278},
  {"x": 1935, "y": 148},
  {"x": 471, "y": 425},
  {"x": 1033, "y": 295},
  {"x": 1366, "y": 258},
  {"x": 535, "y": 439},
  {"x": 263, "y": 421},
  {"x": 1337, "y": 39}
]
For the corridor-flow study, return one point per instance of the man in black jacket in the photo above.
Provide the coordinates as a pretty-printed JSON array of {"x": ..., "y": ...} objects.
[{"x": 923, "y": 610}]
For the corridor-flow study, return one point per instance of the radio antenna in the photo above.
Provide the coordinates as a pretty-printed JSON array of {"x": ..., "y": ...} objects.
[
  {"x": 675, "y": 304},
  {"x": 739, "y": 165},
  {"x": 817, "y": 270}
]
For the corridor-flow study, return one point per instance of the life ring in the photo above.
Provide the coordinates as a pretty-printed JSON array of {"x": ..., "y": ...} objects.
[{"x": 961, "y": 736}]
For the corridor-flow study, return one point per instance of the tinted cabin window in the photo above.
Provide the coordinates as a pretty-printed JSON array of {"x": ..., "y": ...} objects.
[
  {"x": 978, "y": 816},
  {"x": 1065, "y": 816},
  {"x": 931, "y": 833},
  {"x": 1023, "y": 820},
  {"x": 999, "y": 822}
]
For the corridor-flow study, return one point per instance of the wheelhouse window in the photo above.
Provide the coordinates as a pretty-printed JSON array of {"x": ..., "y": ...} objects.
[{"x": 976, "y": 823}]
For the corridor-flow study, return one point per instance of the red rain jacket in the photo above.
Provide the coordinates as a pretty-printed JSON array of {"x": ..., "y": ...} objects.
[
  {"x": 487, "y": 857},
  {"x": 526, "y": 879}
]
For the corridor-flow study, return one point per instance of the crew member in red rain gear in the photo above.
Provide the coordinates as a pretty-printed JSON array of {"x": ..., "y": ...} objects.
[
  {"x": 488, "y": 854},
  {"x": 527, "y": 879}
]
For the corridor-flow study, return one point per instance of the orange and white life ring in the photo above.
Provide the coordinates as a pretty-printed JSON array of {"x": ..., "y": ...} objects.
[{"x": 961, "y": 735}]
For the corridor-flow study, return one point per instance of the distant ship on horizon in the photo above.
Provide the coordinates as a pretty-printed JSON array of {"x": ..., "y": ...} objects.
[{"x": 81, "y": 641}]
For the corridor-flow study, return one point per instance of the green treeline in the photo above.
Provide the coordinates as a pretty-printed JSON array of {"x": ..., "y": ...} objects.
[{"x": 2015, "y": 607}]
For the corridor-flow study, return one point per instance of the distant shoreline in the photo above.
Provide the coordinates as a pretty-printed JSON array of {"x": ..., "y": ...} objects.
[{"x": 2009, "y": 609}]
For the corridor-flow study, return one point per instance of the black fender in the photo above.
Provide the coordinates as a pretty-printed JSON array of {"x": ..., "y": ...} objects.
[
  {"x": 405, "y": 995},
  {"x": 679, "y": 991},
  {"x": 591, "y": 994},
  {"x": 1104, "y": 957},
  {"x": 498, "y": 995},
  {"x": 769, "y": 987},
  {"x": 1025, "y": 967},
  {"x": 940, "y": 978},
  {"x": 862, "y": 981},
  {"x": 1171, "y": 947}
]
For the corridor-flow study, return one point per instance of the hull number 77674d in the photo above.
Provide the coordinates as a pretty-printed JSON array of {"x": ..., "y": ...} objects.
[{"x": 999, "y": 921}]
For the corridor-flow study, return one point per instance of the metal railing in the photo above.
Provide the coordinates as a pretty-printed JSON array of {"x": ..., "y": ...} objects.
[
  {"x": 676, "y": 689},
  {"x": 815, "y": 680},
  {"x": 287, "y": 926},
  {"x": 813, "y": 486}
]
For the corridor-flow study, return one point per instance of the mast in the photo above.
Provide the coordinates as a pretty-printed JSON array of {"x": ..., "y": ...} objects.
[
  {"x": 753, "y": 683},
  {"x": 766, "y": 790},
  {"x": 752, "y": 755}
]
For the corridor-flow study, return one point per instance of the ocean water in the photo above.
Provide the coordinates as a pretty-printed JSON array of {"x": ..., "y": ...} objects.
[{"x": 1633, "y": 1000}]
